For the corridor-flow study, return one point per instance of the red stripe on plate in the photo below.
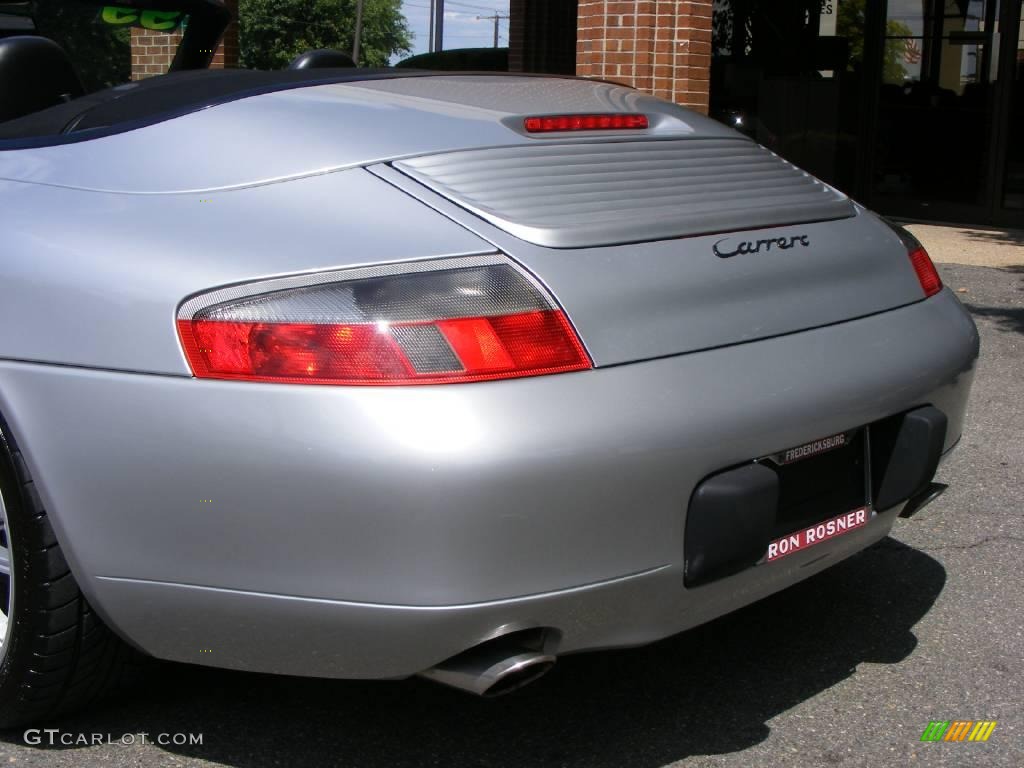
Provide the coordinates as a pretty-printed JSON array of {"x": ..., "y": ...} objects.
[{"x": 817, "y": 533}]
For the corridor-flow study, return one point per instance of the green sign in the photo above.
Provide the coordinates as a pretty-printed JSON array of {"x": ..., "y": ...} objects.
[{"x": 158, "y": 21}]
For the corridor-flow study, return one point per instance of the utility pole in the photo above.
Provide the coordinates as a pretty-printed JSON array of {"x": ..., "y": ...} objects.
[
  {"x": 358, "y": 33},
  {"x": 497, "y": 19},
  {"x": 430, "y": 33},
  {"x": 436, "y": 25}
]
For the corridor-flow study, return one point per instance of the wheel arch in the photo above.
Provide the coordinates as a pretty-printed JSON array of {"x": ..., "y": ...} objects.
[{"x": 31, "y": 493}]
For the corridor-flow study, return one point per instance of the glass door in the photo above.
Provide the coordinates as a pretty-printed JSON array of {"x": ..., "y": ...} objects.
[
  {"x": 948, "y": 114},
  {"x": 789, "y": 73},
  {"x": 935, "y": 107},
  {"x": 1013, "y": 185}
]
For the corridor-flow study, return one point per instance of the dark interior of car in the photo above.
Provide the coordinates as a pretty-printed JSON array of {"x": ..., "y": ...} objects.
[{"x": 35, "y": 73}]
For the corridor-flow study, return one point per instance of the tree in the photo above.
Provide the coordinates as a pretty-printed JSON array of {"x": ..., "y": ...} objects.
[
  {"x": 851, "y": 25},
  {"x": 273, "y": 32}
]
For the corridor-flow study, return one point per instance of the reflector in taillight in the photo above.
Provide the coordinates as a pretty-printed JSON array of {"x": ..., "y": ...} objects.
[
  {"x": 931, "y": 283},
  {"x": 611, "y": 122},
  {"x": 439, "y": 322}
]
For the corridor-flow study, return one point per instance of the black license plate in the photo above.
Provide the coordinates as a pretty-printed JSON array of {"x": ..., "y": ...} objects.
[{"x": 821, "y": 479}]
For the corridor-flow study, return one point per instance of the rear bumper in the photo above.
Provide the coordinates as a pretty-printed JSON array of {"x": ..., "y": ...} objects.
[
  {"x": 329, "y": 638},
  {"x": 362, "y": 532}
]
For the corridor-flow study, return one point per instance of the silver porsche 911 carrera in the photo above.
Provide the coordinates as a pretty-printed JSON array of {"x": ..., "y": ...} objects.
[{"x": 382, "y": 373}]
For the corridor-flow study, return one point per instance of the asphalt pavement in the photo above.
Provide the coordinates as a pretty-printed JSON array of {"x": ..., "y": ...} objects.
[{"x": 847, "y": 668}]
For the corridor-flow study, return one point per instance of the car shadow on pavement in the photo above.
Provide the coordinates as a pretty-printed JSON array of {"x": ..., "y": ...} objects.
[
  {"x": 1006, "y": 318},
  {"x": 711, "y": 690},
  {"x": 999, "y": 236}
]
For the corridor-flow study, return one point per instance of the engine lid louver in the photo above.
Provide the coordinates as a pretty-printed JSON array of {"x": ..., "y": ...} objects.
[{"x": 604, "y": 193}]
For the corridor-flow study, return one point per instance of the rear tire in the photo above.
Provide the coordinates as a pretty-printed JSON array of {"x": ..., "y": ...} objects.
[{"x": 56, "y": 655}]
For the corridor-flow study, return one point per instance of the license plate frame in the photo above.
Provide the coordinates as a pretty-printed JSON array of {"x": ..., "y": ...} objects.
[{"x": 809, "y": 516}]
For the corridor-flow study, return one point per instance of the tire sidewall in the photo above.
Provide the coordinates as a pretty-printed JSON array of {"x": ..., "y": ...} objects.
[{"x": 18, "y": 654}]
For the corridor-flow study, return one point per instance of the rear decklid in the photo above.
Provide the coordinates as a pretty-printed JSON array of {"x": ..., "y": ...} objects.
[
  {"x": 642, "y": 300},
  {"x": 662, "y": 243}
]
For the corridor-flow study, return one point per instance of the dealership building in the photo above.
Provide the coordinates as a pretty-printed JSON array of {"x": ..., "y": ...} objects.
[{"x": 913, "y": 107}]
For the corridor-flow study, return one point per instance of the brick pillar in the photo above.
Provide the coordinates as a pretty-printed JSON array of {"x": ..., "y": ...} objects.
[
  {"x": 516, "y": 35},
  {"x": 660, "y": 46},
  {"x": 153, "y": 52},
  {"x": 226, "y": 56}
]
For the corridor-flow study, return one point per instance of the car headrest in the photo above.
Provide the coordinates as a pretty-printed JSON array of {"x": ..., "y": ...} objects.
[
  {"x": 35, "y": 73},
  {"x": 324, "y": 58}
]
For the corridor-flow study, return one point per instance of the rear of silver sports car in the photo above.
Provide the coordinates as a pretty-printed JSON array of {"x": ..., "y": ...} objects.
[{"x": 454, "y": 375}]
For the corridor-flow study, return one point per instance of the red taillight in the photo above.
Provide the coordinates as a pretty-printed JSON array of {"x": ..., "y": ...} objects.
[
  {"x": 931, "y": 283},
  {"x": 585, "y": 123},
  {"x": 432, "y": 327}
]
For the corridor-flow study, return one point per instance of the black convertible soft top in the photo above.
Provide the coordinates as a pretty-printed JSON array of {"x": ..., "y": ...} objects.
[{"x": 163, "y": 97}]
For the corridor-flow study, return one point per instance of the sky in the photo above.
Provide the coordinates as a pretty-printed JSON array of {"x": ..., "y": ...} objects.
[{"x": 461, "y": 27}]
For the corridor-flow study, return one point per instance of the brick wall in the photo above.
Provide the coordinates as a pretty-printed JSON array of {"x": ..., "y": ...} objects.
[
  {"x": 152, "y": 52},
  {"x": 660, "y": 46}
]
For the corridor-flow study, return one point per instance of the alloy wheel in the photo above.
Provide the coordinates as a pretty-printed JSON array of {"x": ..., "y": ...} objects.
[{"x": 6, "y": 581}]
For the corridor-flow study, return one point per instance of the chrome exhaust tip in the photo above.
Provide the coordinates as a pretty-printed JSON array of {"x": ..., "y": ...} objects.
[
  {"x": 491, "y": 669},
  {"x": 923, "y": 499}
]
